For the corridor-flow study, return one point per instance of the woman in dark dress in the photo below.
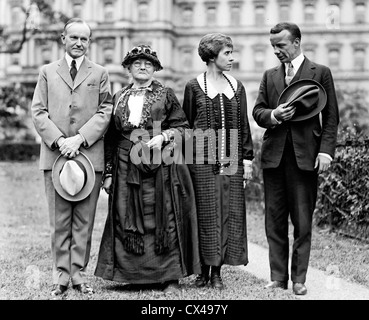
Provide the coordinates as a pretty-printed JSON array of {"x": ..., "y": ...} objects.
[
  {"x": 150, "y": 234},
  {"x": 216, "y": 107}
]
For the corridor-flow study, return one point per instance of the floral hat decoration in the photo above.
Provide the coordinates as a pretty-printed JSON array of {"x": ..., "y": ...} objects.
[{"x": 142, "y": 51}]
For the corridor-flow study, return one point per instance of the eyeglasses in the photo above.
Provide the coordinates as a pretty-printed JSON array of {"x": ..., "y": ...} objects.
[
  {"x": 137, "y": 64},
  {"x": 140, "y": 49}
]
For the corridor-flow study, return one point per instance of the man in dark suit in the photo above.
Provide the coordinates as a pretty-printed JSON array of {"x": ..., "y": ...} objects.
[
  {"x": 71, "y": 110},
  {"x": 292, "y": 156}
]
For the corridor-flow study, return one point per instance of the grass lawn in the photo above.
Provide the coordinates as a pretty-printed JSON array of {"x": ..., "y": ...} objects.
[{"x": 25, "y": 251}]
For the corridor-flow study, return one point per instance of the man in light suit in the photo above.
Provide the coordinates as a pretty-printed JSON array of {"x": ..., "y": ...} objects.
[
  {"x": 292, "y": 156},
  {"x": 71, "y": 110}
]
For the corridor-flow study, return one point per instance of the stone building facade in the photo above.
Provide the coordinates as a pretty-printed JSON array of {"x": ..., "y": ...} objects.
[{"x": 334, "y": 33}]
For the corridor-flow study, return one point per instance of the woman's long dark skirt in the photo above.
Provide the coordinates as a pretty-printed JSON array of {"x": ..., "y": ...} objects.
[{"x": 150, "y": 267}]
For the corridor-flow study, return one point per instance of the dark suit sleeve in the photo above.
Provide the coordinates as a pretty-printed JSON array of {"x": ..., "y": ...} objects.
[
  {"x": 262, "y": 110},
  {"x": 247, "y": 147},
  {"x": 330, "y": 115}
]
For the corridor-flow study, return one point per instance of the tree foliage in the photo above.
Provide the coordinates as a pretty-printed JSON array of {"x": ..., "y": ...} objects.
[
  {"x": 353, "y": 108},
  {"x": 38, "y": 17},
  {"x": 14, "y": 114}
]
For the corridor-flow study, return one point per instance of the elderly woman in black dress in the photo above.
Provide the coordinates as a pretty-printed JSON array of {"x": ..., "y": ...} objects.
[
  {"x": 150, "y": 234},
  {"x": 215, "y": 105}
]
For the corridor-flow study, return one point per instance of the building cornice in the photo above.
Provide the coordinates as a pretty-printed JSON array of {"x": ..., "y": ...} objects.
[
  {"x": 309, "y": 2},
  {"x": 334, "y": 2}
]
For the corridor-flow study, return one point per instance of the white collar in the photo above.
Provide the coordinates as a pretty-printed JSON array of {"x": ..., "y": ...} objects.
[
  {"x": 78, "y": 60},
  {"x": 212, "y": 93},
  {"x": 297, "y": 62}
]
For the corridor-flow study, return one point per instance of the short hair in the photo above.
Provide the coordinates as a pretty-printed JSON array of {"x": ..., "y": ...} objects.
[
  {"x": 291, "y": 27},
  {"x": 211, "y": 44},
  {"x": 76, "y": 20}
]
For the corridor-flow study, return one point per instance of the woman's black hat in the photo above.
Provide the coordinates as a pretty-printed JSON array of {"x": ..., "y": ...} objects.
[{"x": 142, "y": 51}]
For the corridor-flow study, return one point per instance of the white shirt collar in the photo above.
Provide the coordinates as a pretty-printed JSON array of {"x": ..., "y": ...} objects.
[
  {"x": 212, "y": 93},
  {"x": 297, "y": 62},
  {"x": 78, "y": 60}
]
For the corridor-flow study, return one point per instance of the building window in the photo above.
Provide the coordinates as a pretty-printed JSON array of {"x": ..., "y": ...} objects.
[
  {"x": 359, "y": 56},
  {"x": 108, "y": 11},
  {"x": 46, "y": 55},
  {"x": 235, "y": 13},
  {"x": 334, "y": 56},
  {"x": 17, "y": 14},
  {"x": 259, "y": 57},
  {"x": 259, "y": 15},
  {"x": 360, "y": 12},
  {"x": 143, "y": 11},
  {"x": 108, "y": 55},
  {"x": 309, "y": 11},
  {"x": 284, "y": 10},
  {"x": 333, "y": 13},
  {"x": 108, "y": 46},
  {"x": 77, "y": 7},
  {"x": 187, "y": 58},
  {"x": 17, "y": 17},
  {"x": 77, "y": 11},
  {"x": 211, "y": 13},
  {"x": 187, "y": 14}
]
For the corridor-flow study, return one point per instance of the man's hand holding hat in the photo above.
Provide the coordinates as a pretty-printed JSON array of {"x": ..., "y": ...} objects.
[
  {"x": 308, "y": 98},
  {"x": 69, "y": 147},
  {"x": 284, "y": 112}
]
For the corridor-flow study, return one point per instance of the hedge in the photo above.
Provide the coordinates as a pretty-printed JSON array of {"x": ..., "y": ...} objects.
[
  {"x": 343, "y": 197},
  {"x": 20, "y": 151}
]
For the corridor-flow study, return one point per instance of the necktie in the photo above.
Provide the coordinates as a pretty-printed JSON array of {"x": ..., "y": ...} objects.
[
  {"x": 289, "y": 74},
  {"x": 73, "y": 69}
]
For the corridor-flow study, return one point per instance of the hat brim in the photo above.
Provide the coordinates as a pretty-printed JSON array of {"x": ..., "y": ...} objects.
[
  {"x": 322, "y": 100},
  {"x": 90, "y": 177},
  {"x": 130, "y": 58}
]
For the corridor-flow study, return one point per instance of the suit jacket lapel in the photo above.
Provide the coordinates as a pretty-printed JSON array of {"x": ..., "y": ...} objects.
[
  {"x": 278, "y": 79},
  {"x": 63, "y": 71},
  {"x": 83, "y": 72}
]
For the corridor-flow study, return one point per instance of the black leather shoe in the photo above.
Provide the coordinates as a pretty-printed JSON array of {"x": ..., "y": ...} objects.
[
  {"x": 215, "y": 278},
  {"x": 277, "y": 284},
  {"x": 201, "y": 280},
  {"x": 58, "y": 289},
  {"x": 216, "y": 281},
  {"x": 299, "y": 289},
  {"x": 83, "y": 288}
]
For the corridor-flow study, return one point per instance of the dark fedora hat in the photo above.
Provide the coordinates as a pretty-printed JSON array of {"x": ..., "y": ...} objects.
[
  {"x": 307, "y": 95},
  {"x": 142, "y": 51},
  {"x": 73, "y": 179}
]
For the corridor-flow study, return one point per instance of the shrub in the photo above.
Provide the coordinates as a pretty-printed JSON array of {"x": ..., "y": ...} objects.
[
  {"x": 15, "y": 120},
  {"x": 343, "y": 197},
  {"x": 22, "y": 151}
]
